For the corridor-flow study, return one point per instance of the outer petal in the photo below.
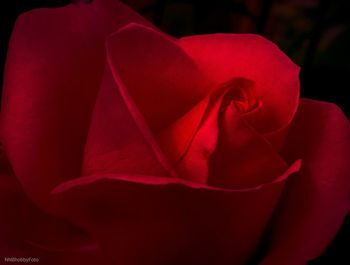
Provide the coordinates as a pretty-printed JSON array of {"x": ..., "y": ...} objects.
[
  {"x": 225, "y": 56},
  {"x": 317, "y": 198},
  {"x": 9, "y": 192},
  {"x": 54, "y": 66},
  {"x": 24, "y": 228},
  {"x": 154, "y": 220}
]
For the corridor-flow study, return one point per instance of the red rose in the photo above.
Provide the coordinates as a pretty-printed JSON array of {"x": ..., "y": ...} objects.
[{"x": 134, "y": 148}]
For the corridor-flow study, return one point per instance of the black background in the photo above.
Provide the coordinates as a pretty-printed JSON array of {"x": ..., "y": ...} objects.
[{"x": 325, "y": 72}]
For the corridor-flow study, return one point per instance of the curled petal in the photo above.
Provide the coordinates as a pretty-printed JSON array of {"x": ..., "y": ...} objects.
[
  {"x": 226, "y": 56},
  {"x": 316, "y": 199}
]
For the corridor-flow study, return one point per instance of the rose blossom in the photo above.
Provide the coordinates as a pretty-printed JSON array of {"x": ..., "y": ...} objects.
[{"x": 122, "y": 145}]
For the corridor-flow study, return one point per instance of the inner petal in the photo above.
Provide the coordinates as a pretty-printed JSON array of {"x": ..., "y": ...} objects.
[
  {"x": 222, "y": 149},
  {"x": 242, "y": 157},
  {"x": 242, "y": 93}
]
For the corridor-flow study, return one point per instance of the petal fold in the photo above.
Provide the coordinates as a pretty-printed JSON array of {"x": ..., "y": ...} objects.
[
  {"x": 161, "y": 78},
  {"x": 54, "y": 67},
  {"x": 316, "y": 199},
  {"x": 155, "y": 220},
  {"x": 226, "y": 56}
]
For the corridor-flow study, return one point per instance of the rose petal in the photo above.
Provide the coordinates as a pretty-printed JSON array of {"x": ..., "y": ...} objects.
[
  {"x": 55, "y": 63},
  {"x": 119, "y": 139},
  {"x": 155, "y": 220},
  {"x": 226, "y": 56},
  {"x": 161, "y": 78},
  {"x": 318, "y": 197},
  {"x": 225, "y": 151},
  {"x": 24, "y": 228},
  {"x": 9, "y": 192},
  {"x": 156, "y": 70},
  {"x": 242, "y": 157},
  {"x": 66, "y": 243},
  {"x": 176, "y": 138},
  {"x": 194, "y": 164}
]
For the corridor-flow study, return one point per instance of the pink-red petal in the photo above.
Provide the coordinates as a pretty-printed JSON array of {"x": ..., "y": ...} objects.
[{"x": 226, "y": 56}]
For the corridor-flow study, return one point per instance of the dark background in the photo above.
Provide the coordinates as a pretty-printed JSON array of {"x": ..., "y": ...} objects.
[{"x": 314, "y": 33}]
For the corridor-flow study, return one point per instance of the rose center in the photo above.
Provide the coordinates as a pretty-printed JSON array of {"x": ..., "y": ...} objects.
[{"x": 242, "y": 94}]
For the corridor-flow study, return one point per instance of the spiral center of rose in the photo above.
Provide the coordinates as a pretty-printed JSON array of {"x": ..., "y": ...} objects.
[{"x": 241, "y": 93}]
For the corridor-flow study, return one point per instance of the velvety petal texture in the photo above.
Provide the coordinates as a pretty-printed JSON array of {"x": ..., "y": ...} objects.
[
  {"x": 53, "y": 72},
  {"x": 123, "y": 145},
  {"x": 155, "y": 220},
  {"x": 54, "y": 67},
  {"x": 318, "y": 197},
  {"x": 137, "y": 207},
  {"x": 25, "y": 228},
  {"x": 10, "y": 200}
]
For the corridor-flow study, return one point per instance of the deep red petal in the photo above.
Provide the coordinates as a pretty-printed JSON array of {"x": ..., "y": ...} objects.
[
  {"x": 318, "y": 197},
  {"x": 161, "y": 78},
  {"x": 10, "y": 200},
  {"x": 119, "y": 139},
  {"x": 226, "y": 56},
  {"x": 155, "y": 220},
  {"x": 54, "y": 66},
  {"x": 149, "y": 81},
  {"x": 27, "y": 231}
]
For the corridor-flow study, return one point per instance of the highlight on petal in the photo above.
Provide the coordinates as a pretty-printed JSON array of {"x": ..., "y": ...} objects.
[
  {"x": 194, "y": 162},
  {"x": 175, "y": 139},
  {"x": 226, "y": 56},
  {"x": 316, "y": 199},
  {"x": 155, "y": 220},
  {"x": 146, "y": 86},
  {"x": 54, "y": 66},
  {"x": 221, "y": 148}
]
